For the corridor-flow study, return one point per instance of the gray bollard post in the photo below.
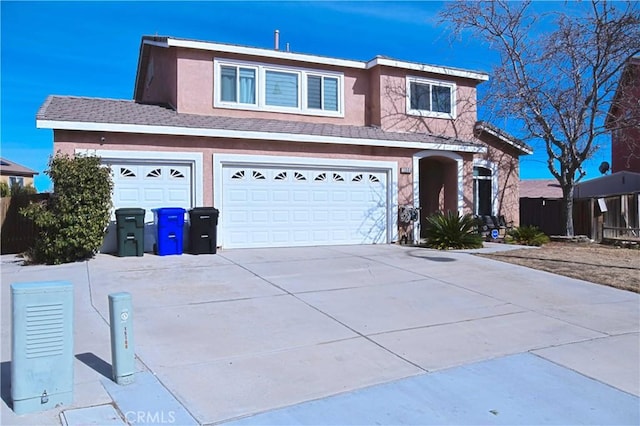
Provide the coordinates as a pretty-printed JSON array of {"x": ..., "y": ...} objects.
[{"x": 122, "y": 349}]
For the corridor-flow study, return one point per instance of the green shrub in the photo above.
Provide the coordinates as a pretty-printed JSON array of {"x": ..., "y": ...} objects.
[
  {"x": 527, "y": 236},
  {"x": 16, "y": 190},
  {"x": 72, "y": 223},
  {"x": 452, "y": 231},
  {"x": 4, "y": 189}
]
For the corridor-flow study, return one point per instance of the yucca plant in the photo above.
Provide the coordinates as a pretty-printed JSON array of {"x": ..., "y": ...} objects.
[
  {"x": 451, "y": 231},
  {"x": 527, "y": 236}
]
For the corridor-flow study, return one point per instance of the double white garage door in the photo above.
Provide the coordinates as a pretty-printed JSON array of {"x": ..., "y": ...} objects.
[
  {"x": 269, "y": 206},
  {"x": 295, "y": 206}
]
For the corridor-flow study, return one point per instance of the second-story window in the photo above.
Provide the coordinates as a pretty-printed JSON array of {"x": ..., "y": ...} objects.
[
  {"x": 277, "y": 88},
  {"x": 281, "y": 88},
  {"x": 322, "y": 93},
  {"x": 431, "y": 98},
  {"x": 238, "y": 84}
]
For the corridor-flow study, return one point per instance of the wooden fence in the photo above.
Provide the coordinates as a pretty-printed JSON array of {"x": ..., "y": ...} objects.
[
  {"x": 622, "y": 213},
  {"x": 18, "y": 233}
]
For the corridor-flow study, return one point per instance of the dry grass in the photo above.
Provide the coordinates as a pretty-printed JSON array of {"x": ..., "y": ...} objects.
[{"x": 601, "y": 264}]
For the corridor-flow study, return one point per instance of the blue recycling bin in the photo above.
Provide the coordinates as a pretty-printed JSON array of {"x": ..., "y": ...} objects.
[{"x": 169, "y": 223}]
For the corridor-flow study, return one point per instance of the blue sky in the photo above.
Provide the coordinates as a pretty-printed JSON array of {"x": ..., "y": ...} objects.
[{"x": 91, "y": 49}]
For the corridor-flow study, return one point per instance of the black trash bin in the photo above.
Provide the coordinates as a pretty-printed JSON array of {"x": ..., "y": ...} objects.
[
  {"x": 203, "y": 230},
  {"x": 130, "y": 224}
]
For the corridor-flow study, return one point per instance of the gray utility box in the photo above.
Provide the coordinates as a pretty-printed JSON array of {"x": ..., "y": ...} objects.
[{"x": 42, "y": 346}]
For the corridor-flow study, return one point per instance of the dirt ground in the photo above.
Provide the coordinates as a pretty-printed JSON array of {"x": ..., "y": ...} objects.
[{"x": 597, "y": 263}]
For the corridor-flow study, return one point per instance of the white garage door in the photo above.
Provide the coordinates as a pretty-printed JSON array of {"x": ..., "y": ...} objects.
[
  {"x": 271, "y": 207},
  {"x": 150, "y": 186}
]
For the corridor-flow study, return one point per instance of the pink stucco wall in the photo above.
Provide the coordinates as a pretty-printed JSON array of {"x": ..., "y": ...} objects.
[
  {"x": 69, "y": 141},
  {"x": 393, "y": 106},
  {"x": 196, "y": 87},
  {"x": 185, "y": 79}
]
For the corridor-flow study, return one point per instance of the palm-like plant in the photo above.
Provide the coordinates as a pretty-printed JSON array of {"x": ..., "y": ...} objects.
[{"x": 451, "y": 231}]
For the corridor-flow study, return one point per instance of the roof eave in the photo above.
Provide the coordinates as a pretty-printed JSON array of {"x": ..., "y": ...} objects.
[
  {"x": 239, "y": 134},
  {"x": 413, "y": 66},
  {"x": 520, "y": 146},
  {"x": 301, "y": 57}
]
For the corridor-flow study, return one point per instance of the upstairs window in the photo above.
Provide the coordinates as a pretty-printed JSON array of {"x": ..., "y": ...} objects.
[
  {"x": 322, "y": 93},
  {"x": 238, "y": 84},
  {"x": 281, "y": 89},
  {"x": 266, "y": 87},
  {"x": 430, "y": 98}
]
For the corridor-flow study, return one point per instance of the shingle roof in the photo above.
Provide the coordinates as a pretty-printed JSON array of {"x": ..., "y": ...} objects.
[
  {"x": 8, "y": 167},
  {"x": 115, "y": 111},
  {"x": 540, "y": 188}
]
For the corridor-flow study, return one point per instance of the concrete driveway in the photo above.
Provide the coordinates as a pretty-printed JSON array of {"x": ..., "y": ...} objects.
[{"x": 344, "y": 335}]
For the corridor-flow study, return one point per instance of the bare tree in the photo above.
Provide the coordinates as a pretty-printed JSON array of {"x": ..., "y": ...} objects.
[{"x": 557, "y": 73}]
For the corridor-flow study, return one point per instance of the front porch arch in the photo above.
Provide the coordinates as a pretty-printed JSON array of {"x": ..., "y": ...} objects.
[{"x": 416, "y": 180}]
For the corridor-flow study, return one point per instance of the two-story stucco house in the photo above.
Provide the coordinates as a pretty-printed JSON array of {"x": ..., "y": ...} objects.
[{"x": 294, "y": 149}]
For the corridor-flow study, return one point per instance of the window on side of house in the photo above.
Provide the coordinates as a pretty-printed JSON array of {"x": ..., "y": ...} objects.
[
  {"x": 16, "y": 181},
  {"x": 482, "y": 191},
  {"x": 431, "y": 98},
  {"x": 276, "y": 88}
]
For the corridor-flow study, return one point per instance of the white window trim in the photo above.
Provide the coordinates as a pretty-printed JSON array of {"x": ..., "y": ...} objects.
[
  {"x": 494, "y": 183},
  {"x": 261, "y": 104},
  {"x": 432, "y": 114}
]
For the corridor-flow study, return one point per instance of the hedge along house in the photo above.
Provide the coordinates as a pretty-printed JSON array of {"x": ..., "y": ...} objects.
[{"x": 294, "y": 149}]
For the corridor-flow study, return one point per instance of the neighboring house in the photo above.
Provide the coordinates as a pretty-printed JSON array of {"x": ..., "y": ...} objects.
[
  {"x": 624, "y": 120},
  {"x": 540, "y": 205},
  {"x": 15, "y": 174},
  {"x": 294, "y": 149},
  {"x": 609, "y": 201},
  {"x": 614, "y": 203}
]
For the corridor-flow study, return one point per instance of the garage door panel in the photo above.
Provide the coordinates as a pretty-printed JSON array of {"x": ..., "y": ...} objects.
[
  {"x": 177, "y": 195},
  {"x": 238, "y": 195},
  {"x": 237, "y": 217},
  {"x": 339, "y": 196},
  {"x": 322, "y": 196},
  {"x": 260, "y": 237},
  {"x": 127, "y": 195},
  {"x": 280, "y": 237},
  {"x": 281, "y": 217},
  {"x": 279, "y": 195},
  {"x": 260, "y": 216},
  {"x": 300, "y": 196},
  {"x": 259, "y": 195},
  {"x": 153, "y": 195}
]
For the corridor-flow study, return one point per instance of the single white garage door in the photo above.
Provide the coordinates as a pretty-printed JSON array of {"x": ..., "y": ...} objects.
[
  {"x": 283, "y": 207},
  {"x": 152, "y": 185}
]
